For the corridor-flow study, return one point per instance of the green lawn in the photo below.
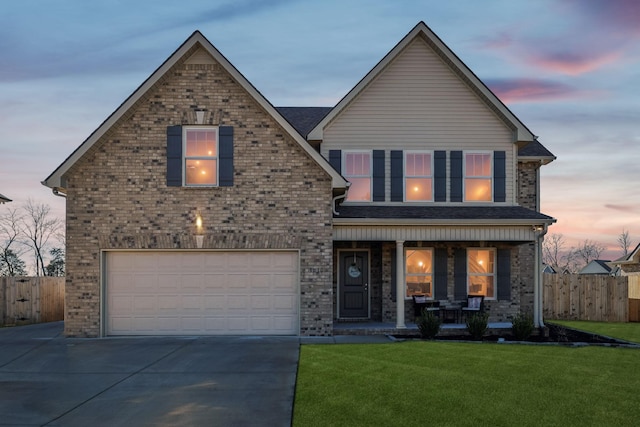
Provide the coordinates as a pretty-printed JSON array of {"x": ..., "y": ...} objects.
[
  {"x": 624, "y": 331},
  {"x": 422, "y": 383}
]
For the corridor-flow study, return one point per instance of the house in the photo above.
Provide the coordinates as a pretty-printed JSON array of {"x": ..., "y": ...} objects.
[
  {"x": 4, "y": 199},
  {"x": 630, "y": 264},
  {"x": 599, "y": 266},
  {"x": 548, "y": 269},
  {"x": 197, "y": 207}
]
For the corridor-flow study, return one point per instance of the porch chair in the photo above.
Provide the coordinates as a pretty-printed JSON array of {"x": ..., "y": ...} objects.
[
  {"x": 420, "y": 302},
  {"x": 473, "y": 304}
]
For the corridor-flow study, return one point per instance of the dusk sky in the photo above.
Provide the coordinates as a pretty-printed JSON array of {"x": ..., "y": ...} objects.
[{"x": 569, "y": 69}]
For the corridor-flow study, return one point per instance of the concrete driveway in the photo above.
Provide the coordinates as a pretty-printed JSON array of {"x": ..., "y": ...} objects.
[{"x": 46, "y": 379}]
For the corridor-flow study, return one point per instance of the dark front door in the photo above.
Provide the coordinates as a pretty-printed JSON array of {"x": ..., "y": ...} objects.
[{"x": 353, "y": 284}]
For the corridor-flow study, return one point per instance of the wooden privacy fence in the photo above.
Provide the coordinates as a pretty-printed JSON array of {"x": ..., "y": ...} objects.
[
  {"x": 591, "y": 297},
  {"x": 26, "y": 300}
]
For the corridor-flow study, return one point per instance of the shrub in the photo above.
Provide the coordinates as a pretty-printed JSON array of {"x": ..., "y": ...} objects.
[
  {"x": 428, "y": 324},
  {"x": 477, "y": 325},
  {"x": 522, "y": 326}
]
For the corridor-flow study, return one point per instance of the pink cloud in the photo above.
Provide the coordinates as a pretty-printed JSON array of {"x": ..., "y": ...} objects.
[
  {"x": 621, "y": 16},
  {"x": 531, "y": 90},
  {"x": 573, "y": 63}
]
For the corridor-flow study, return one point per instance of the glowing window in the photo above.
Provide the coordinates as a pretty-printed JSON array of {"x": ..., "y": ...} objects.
[
  {"x": 419, "y": 272},
  {"x": 357, "y": 170},
  {"x": 478, "y": 180},
  {"x": 418, "y": 177},
  {"x": 201, "y": 156},
  {"x": 481, "y": 272}
]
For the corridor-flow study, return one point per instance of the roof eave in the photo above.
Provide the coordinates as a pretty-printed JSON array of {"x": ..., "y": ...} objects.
[
  {"x": 545, "y": 160},
  {"x": 440, "y": 222}
]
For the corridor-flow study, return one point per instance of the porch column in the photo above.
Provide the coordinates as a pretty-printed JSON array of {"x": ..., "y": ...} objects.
[{"x": 400, "y": 284}]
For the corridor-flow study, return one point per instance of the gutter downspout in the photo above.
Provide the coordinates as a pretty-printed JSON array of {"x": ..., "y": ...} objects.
[
  {"x": 341, "y": 196},
  {"x": 56, "y": 191},
  {"x": 538, "y": 302}
]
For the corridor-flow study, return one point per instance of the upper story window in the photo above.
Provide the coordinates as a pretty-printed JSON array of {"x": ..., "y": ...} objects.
[
  {"x": 419, "y": 272},
  {"x": 200, "y": 156},
  {"x": 357, "y": 170},
  {"x": 418, "y": 176},
  {"x": 478, "y": 177},
  {"x": 481, "y": 272}
]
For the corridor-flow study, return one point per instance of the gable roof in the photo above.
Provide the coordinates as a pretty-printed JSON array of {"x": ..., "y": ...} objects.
[
  {"x": 632, "y": 258},
  {"x": 4, "y": 199},
  {"x": 597, "y": 266},
  {"x": 56, "y": 179},
  {"x": 521, "y": 132}
]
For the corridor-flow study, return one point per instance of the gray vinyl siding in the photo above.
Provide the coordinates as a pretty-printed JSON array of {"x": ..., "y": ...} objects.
[{"x": 418, "y": 103}]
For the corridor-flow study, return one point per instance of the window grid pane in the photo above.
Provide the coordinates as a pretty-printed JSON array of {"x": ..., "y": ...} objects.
[
  {"x": 481, "y": 272},
  {"x": 200, "y": 157},
  {"x": 418, "y": 183},
  {"x": 419, "y": 272},
  {"x": 358, "y": 172}
]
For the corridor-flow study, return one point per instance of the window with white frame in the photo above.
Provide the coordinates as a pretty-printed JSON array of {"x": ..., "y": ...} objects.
[
  {"x": 357, "y": 170},
  {"x": 481, "y": 272},
  {"x": 419, "y": 272},
  {"x": 200, "y": 156},
  {"x": 478, "y": 177},
  {"x": 418, "y": 176}
]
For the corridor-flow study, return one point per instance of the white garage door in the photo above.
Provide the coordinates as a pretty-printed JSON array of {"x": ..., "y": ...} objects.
[{"x": 201, "y": 293}]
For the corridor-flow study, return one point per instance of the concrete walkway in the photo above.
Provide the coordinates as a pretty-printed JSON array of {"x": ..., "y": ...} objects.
[{"x": 46, "y": 379}]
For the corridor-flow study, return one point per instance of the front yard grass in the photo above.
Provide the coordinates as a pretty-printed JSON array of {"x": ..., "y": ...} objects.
[
  {"x": 623, "y": 331},
  {"x": 418, "y": 383}
]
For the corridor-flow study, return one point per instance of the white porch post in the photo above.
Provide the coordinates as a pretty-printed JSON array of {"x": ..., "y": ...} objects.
[{"x": 400, "y": 284}]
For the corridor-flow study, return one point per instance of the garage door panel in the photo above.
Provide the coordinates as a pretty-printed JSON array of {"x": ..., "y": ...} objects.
[{"x": 216, "y": 293}]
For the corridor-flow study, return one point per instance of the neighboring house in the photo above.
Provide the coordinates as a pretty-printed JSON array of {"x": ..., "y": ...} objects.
[
  {"x": 599, "y": 266},
  {"x": 199, "y": 208},
  {"x": 548, "y": 269},
  {"x": 629, "y": 265},
  {"x": 4, "y": 199}
]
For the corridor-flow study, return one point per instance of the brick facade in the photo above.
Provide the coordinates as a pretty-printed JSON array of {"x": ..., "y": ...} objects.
[{"x": 117, "y": 197}]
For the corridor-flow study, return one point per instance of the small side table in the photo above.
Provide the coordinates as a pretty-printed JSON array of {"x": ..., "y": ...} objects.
[{"x": 450, "y": 314}]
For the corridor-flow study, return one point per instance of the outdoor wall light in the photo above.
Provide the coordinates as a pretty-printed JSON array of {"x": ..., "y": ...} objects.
[{"x": 199, "y": 236}]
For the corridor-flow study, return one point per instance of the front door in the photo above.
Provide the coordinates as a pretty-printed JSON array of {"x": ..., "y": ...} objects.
[{"x": 353, "y": 284}]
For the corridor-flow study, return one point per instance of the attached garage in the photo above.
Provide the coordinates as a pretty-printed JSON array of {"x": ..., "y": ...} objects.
[{"x": 201, "y": 293}]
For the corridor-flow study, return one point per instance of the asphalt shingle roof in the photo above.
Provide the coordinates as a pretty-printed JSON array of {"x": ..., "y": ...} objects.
[
  {"x": 441, "y": 212},
  {"x": 304, "y": 119}
]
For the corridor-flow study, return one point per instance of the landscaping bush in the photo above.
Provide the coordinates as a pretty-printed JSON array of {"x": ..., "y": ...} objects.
[
  {"x": 477, "y": 325},
  {"x": 522, "y": 326},
  {"x": 428, "y": 324}
]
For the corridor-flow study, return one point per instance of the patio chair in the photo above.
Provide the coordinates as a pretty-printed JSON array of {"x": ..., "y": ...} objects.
[
  {"x": 420, "y": 302},
  {"x": 473, "y": 304}
]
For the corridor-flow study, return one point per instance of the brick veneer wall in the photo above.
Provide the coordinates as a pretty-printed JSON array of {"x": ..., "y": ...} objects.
[
  {"x": 118, "y": 198},
  {"x": 528, "y": 184}
]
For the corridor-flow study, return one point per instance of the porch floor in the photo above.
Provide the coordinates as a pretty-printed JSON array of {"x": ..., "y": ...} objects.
[{"x": 384, "y": 328}]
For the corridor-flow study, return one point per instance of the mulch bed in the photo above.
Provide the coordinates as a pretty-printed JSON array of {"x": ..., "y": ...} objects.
[{"x": 556, "y": 334}]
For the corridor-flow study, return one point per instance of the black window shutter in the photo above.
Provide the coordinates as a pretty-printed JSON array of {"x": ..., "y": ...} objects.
[
  {"x": 378, "y": 175},
  {"x": 440, "y": 176},
  {"x": 440, "y": 274},
  {"x": 335, "y": 160},
  {"x": 504, "y": 274},
  {"x": 499, "y": 176},
  {"x": 174, "y": 156},
  {"x": 393, "y": 275},
  {"x": 225, "y": 158},
  {"x": 456, "y": 176},
  {"x": 397, "y": 176},
  {"x": 460, "y": 274}
]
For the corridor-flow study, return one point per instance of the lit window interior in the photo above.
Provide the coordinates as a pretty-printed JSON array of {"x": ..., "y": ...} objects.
[
  {"x": 357, "y": 170},
  {"x": 418, "y": 182},
  {"x": 201, "y": 157},
  {"x": 419, "y": 272},
  {"x": 478, "y": 183},
  {"x": 481, "y": 272}
]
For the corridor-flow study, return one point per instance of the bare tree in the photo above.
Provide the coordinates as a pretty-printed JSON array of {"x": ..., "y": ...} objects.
[
  {"x": 589, "y": 251},
  {"x": 556, "y": 255},
  {"x": 10, "y": 251},
  {"x": 624, "y": 242},
  {"x": 39, "y": 227}
]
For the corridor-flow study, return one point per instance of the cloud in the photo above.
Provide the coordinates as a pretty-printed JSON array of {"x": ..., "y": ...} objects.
[
  {"x": 573, "y": 62},
  {"x": 532, "y": 90},
  {"x": 618, "y": 15},
  {"x": 623, "y": 208}
]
